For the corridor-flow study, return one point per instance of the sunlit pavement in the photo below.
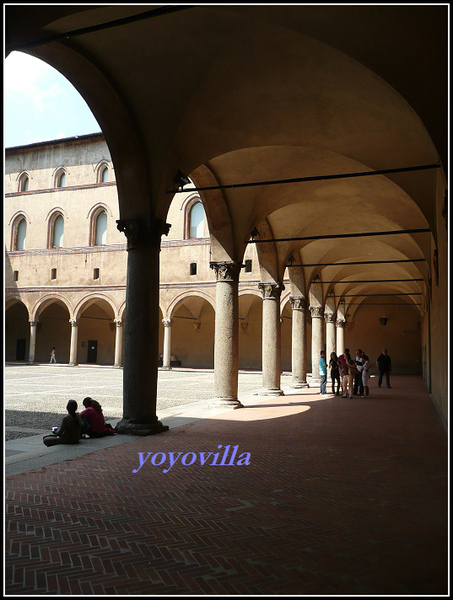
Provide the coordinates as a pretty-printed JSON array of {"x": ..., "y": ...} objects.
[{"x": 315, "y": 496}]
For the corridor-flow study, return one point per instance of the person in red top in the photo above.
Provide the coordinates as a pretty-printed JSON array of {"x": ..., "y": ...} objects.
[{"x": 93, "y": 423}]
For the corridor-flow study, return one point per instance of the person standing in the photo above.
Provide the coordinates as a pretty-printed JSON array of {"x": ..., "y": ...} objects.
[
  {"x": 323, "y": 373},
  {"x": 344, "y": 370},
  {"x": 352, "y": 372},
  {"x": 384, "y": 365},
  {"x": 358, "y": 385},
  {"x": 53, "y": 356},
  {"x": 366, "y": 365},
  {"x": 335, "y": 373}
]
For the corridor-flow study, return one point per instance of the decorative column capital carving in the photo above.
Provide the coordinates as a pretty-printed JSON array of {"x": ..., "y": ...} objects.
[
  {"x": 271, "y": 290},
  {"x": 143, "y": 232},
  {"x": 340, "y": 323},
  {"x": 226, "y": 271},
  {"x": 298, "y": 302},
  {"x": 73, "y": 322},
  {"x": 167, "y": 322},
  {"x": 316, "y": 312},
  {"x": 33, "y": 322},
  {"x": 330, "y": 317},
  {"x": 118, "y": 322}
]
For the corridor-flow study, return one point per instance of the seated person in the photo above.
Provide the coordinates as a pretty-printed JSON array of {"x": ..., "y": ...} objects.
[
  {"x": 93, "y": 423},
  {"x": 69, "y": 430}
]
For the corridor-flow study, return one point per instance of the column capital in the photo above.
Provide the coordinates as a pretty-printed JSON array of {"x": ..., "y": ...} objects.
[
  {"x": 118, "y": 322},
  {"x": 330, "y": 317},
  {"x": 226, "y": 271},
  {"x": 33, "y": 322},
  {"x": 298, "y": 302},
  {"x": 271, "y": 290},
  {"x": 340, "y": 323},
  {"x": 73, "y": 322},
  {"x": 316, "y": 311},
  {"x": 143, "y": 232},
  {"x": 167, "y": 322}
]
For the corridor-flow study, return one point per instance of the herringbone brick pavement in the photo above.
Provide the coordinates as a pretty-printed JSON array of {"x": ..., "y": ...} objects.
[{"x": 341, "y": 497}]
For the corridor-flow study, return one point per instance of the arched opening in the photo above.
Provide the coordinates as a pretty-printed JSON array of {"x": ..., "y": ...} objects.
[
  {"x": 17, "y": 332},
  {"x": 96, "y": 335},
  {"x": 53, "y": 329}
]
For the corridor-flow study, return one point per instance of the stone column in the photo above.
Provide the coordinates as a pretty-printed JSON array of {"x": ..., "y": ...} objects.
[
  {"x": 316, "y": 342},
  {"x": 166, "y": 361},
  {"x": 118, "y": 343},
  {"x": 330, "y": 335},
  {"x": 32, "y": 349},
  {"x": 74, "y": 341},
  {"x": 271, "y": 342},
  {"x": 298, "y": 342},
  {"x": 141, "y": 327},
  {"x": 340, "y": 336},
  {"x": 226, "y": 337}
]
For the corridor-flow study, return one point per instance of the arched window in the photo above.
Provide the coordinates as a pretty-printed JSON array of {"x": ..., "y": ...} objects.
[
  {"x": 21, "y": 234},
  {"x": 100, "y": 237},
  {"x": 60, "y": 179},
  {"x": 23, "y": 183},
  {"x": 196, "y": 221},
  {"x": 58, "y": 230},
  {"x": 104, "y": 174}
]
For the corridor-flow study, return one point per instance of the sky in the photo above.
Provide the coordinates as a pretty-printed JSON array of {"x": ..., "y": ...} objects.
[{"x": 39, "y": 104}]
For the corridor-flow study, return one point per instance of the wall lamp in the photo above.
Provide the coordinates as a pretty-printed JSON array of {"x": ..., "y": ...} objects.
[
  {"x": 180, "y": 179},
  {"x": 383, "y": 320}
]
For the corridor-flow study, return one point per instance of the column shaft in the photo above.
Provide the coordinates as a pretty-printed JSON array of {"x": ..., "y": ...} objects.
[
  {"x": 226, "y": 349},
  {"x": 74, "y": 341},
  {"x": 166, "y": 361},
  {"x": 141, "y": 329},
  {"x": 316, "y": 342},
  {"x": 32, "y": 349},
  {"x": 298, "y": 343},
  {"x": 118, "y": 343},
  {"x": 271, "y": 342}
]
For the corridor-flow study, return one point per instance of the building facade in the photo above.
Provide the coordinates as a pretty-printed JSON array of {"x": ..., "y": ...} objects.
[{"x": 65, "y": 279}]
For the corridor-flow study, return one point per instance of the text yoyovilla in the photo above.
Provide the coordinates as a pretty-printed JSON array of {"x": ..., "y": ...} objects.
[{"x": 210, "y": 459}]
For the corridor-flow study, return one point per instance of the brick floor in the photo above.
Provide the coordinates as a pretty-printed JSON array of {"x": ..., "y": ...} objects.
[{"x": 341, "y": 497}]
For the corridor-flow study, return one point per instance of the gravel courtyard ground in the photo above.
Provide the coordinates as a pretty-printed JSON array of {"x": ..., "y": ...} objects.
[{"x": 36, "y": 395}]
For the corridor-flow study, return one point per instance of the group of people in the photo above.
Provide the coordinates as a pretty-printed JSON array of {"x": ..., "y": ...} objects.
[
  {"x": 74, "y": 426},
  {"x": 351, "y": 375}
]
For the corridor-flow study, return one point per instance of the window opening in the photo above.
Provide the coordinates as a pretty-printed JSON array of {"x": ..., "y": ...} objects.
[
  {"x": 16, "y": 275},
  {"x": 100, "y": 237},
  {"x": 58, "y": 229},
  {"x": 196, "y": 222},
  {"x": 61, "y": 179},
  {"x": 53, "y": 274},
  {"x": 96, "y": 274},
  {"x": 193, "y": 268},
  {"x": 23, "y": 185},
  {"x": 248, "y": 266},
  {"x": 21, "y": 235},
  {"x": 104, "y": 175}
]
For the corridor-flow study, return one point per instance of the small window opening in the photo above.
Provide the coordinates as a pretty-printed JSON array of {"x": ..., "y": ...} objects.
[
  {"x": 104, "y": 175},
  {"x": 24, "y": 183},
  {"x": 248, "y": 266},
  {"x": 16, "y": 275},
  {"x": 193, "y": 268},
  {"x": 96, "y": 274},
  {"x": 61, "y": 179},
  {"x": 53, "y": 274}
]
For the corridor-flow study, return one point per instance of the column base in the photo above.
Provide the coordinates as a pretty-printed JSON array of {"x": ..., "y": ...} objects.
[
  {"x": 225, "y": 403},
  {"x": 117, "y": 366},
  {"x": 165, "y": 368},
  {"x": 270, "y": 393},
  {"x": 300, "y": 384},
  {"x": 73, "y": 364},
  {"x": 129, "y": 427}
]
